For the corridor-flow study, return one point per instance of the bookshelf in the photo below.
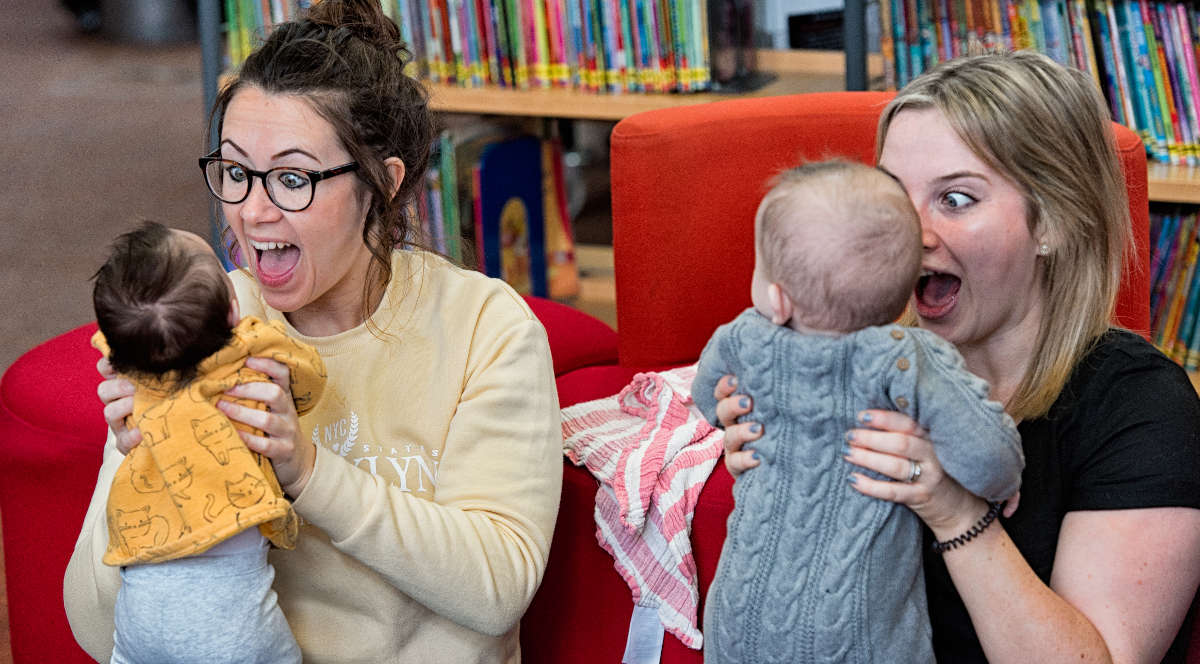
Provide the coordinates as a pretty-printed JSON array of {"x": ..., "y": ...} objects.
[
  {"x": 1169, "y": 183},
  {"x": 796, "y": 71}
]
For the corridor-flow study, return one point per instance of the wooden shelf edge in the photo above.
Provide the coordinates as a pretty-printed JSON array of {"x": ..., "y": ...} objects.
[
  {"x": 796, "y": 71},
  {"x": 1173, "y": 184}
]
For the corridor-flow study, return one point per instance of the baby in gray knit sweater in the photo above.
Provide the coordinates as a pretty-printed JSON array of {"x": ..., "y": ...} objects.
[{"x": 812, "y": 570}]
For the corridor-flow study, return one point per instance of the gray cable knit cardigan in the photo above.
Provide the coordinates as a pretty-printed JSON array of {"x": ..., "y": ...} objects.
[{"x": 812, "y": 570}]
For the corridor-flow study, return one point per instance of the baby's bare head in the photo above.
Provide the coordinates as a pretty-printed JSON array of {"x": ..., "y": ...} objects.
[{"x": 843, "y": 242}]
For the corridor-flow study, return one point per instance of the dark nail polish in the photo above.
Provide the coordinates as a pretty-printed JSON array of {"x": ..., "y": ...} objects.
[{"x": 755, "y": 428}]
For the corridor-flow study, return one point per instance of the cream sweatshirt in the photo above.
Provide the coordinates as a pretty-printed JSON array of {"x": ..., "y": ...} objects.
[{"x": 427, "y": 521}]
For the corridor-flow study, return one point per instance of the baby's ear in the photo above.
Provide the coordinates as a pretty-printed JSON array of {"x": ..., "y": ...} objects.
[
  {"x": 781, "y": 304},
  {"x": 235, "y": 313}
]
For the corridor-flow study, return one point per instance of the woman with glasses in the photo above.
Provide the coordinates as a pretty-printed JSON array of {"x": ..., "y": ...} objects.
[{"x": 427, "y": 477}]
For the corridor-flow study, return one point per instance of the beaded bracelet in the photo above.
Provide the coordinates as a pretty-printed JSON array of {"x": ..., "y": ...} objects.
[{"x": 975, "y": 530}]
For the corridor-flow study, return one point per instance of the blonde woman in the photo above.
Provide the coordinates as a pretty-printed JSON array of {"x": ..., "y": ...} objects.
[{"x": 1009, "y": 161}]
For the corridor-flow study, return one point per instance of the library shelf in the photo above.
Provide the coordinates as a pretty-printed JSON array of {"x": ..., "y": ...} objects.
[
  {"x": 1169, "y": 183},
  {"x": 796, "y": 71}
]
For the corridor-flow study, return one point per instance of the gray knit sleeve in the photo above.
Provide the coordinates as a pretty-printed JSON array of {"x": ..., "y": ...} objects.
[
  {"x": 976, "y": 442},
  {"x": 709, "y": 370}
]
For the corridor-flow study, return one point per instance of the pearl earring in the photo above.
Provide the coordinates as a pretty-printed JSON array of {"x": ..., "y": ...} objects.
[{"x": 1043, "y": 249}]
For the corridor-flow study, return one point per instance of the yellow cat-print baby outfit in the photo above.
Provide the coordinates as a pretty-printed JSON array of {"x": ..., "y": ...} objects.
[{"x": 192, "y": 482}]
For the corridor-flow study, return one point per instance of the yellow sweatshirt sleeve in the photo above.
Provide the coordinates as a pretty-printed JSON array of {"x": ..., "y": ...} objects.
[{"x": 477, "y": 552}]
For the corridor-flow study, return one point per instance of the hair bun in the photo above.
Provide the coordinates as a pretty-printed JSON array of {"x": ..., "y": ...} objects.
[{"x": 363, "y": 19}]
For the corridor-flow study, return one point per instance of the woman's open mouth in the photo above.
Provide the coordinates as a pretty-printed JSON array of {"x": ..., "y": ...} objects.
[
  {"x": 274, "y": 261},
  {"x": 936, "y": 293}
]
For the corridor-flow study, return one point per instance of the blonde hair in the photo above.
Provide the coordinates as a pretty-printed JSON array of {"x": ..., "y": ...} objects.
[
  {"x": 1046, "y": 128},
  {"x": 844, "y": 242}
]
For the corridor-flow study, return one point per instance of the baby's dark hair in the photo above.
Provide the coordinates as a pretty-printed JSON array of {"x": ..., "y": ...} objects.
[
  {"x": 162, "y": 306},
  {"x": 345, "y": 58}
]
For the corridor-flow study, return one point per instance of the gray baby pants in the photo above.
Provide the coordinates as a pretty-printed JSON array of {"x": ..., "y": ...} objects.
[{"x": 203, "y": 609}]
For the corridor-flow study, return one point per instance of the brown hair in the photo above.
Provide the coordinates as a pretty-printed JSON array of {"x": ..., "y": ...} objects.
[
  {"x": 345, "y": 58},
  {"x": 1047, "y": 129},
  {"x": 821, "y": 220},
  {"x": 162, "y": 306}
]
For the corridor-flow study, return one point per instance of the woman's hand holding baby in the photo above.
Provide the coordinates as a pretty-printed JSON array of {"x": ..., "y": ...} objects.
[
  {"x": 730, "y": 407},
  {"x": 116, "y": 394},
  {"x": 890, "y": 443},
  {"x": 291, "y": 455}
]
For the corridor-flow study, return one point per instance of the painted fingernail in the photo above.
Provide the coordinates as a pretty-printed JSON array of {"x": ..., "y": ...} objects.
[
  {"x": 755, "y": 428},
  {"x": 849, "y": 435},
  {"x": 852, "y": 479},
  {"x": 744, "y": 402},
  {"x": 733, "y": 381},
  {"x": 864, "y": 417},
  {"x": 845, "y": 450},
  {"x": 756, "y": 456}
]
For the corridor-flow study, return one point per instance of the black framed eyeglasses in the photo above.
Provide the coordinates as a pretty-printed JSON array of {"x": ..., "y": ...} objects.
[{"x": 289, "y": 188}]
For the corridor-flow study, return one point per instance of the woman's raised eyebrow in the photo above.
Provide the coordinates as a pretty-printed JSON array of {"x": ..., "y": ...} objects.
[
  {"x": 958, "y": 175},
  {"x": 275, "y": 156}
]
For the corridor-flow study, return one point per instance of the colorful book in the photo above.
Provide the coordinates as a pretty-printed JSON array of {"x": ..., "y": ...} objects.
[{"x": 511, "y": 228}]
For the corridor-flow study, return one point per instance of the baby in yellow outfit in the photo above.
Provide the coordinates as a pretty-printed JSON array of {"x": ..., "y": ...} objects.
[{"x": 191, "y": 509}]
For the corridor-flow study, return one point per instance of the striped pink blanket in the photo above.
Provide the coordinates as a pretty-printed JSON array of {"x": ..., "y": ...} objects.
[{"x": 652, "y": 451}]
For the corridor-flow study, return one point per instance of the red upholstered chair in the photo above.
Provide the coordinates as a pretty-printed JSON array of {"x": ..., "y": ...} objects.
[{"x": 685, "y": 185}]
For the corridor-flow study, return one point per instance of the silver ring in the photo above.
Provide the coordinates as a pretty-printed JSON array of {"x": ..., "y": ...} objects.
[{"x": 914, "y": 471}]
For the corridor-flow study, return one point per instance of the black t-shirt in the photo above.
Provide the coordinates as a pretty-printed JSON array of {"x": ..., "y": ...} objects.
[{"x": 1124, "y": 433}]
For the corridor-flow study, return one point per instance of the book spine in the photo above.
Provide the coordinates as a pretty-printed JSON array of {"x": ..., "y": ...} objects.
[
  {"x": 1021, "y": 38},
  {"x": 1182, "y": 341},
  {"x": 473, "y": 42},
  {"x": 451, "y": 55},
  {"x": 666, "y": 46},
  {"x": 1178, "y": 300},
  {"x": 590, "y": 39},
  {"x": 887, "y": 49},
  {"x": 1188, "y": 50},
  {"x": 1175, "y": 267},
  {"x": 453, "y": 228},
  {"x": 899, "y": 34},
  {"x": 927, "y": 40},
  {"x": 1036, "y": 28},
  {"x": 651, "y": 45},
  {"x": 1159, "y": 93},
  {"x": 233, "y": 41},
  {"x": 1176, "y": 82},
  {"x": 912, "y": 37},
  {"x": 700, "y": 59},
  {"x": 1107, "y": 62},
  {"x": 503, "y": 48},
  {"x": 679, "y": 60},
  {"x": 1089, "y": 46},
  {"x": 1141, "y": 81},
  {"x": 629, "y": 79},
  {"x": 1120, "y": 52}
]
